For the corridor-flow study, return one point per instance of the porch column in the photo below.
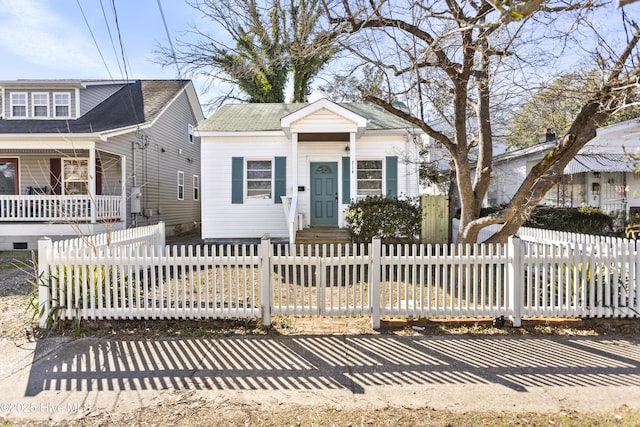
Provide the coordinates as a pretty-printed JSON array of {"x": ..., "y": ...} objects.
[
  {"x": 93, "y": 202},
  {"x": 294, "y": 163},
  {"x": 353, "y": 179},
  {"x": 123, "y": 188}
]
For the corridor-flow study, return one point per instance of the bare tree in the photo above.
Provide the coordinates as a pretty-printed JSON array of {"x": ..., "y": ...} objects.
[{"x": 463, "y": 62}]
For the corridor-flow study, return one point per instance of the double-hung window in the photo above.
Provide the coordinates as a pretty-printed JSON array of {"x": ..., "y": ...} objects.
[
  {"x": 75, "y": 176},
  {"x": 196, "y": 187},
  {"x": 40, "y": 104},
  {"x": 369, "y": 178},
  {"x": 180, "y": 185},
  {"x": 19, "y": 104},
  {"x": 190, "y": 131},
  {"x": 259, "y": 179},
  {"x": 61, "y": 105}
]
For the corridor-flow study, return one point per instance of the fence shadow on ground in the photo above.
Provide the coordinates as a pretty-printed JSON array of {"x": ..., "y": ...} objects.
[{"x": 309, "y": 363}]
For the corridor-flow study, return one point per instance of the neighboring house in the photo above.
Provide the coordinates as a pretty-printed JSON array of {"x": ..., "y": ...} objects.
[
  {"x": 270, "y": 169},
  {"x": 602, "y": 175},
  {"x": 86, "y": 156}
]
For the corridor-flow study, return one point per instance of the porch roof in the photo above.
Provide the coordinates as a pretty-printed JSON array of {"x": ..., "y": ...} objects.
[
  {"x": 267, "y": 117},
  {"x": 605, "y": 162}
]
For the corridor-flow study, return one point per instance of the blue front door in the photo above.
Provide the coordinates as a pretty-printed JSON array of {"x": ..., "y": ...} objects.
[{"x": 324, "y": 193}]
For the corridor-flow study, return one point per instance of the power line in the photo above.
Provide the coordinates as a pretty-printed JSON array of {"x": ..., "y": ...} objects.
[
  {"x": 113, "y": 45},
  {"x": 166, "y": 30},
  {"x": 94, "y": 39},
  {"x": 124, "y": 60}
]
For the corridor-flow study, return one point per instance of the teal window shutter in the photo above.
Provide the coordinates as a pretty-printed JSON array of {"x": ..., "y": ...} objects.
[
  {"x": 392, "y": 176},
  {"x": 346, "y": 180},
  {"x": 280, "y": 184},
  {"x": 237, "y": 179}
]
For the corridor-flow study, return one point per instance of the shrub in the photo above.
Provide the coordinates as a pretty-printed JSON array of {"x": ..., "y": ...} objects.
[
  {"x": 585, "y": 220},
  {"x": 393, "y": 220}
]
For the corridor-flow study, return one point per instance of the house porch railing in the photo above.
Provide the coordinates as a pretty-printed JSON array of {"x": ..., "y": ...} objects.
[
  {"x": 290, "y": 205},
  {"x": 54, "y": 208}
]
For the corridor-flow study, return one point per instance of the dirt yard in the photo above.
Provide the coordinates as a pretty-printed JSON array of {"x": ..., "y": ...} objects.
[{"x": 16, "y": 325}]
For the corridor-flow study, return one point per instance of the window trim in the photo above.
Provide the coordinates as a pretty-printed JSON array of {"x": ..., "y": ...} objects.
[
  {"x": 13, "y": 104},
  {"x": 67, "y": 104},
  {"x": 180, "y": 188},
  {"x": 34, "y": 105},
  {"x": 196, "y": 187},
  {"x": 271, "y": 178}
]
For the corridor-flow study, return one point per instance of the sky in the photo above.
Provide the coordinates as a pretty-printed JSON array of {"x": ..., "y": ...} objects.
[{"x": 49, "y": 39}]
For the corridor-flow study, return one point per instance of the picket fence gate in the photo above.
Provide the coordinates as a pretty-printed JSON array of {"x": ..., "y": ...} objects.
[{"x": 525, "y": 278}]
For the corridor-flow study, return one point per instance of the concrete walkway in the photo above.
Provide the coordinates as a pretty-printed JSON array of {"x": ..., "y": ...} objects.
[{"x": 64, "y": 378}]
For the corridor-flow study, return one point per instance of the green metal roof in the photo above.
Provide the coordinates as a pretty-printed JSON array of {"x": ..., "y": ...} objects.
[{"x": 266, "y": 117}]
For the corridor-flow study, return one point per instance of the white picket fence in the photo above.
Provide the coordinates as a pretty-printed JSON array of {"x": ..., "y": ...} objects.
[{"x": 525, "y": 278}]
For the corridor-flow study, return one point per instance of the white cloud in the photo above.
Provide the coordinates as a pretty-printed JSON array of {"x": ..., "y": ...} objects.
[{"x": 34, "y": 31}]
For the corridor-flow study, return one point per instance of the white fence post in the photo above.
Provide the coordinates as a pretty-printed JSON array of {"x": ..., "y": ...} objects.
[
  {"x": 162, "y": 234},
  {"x": 265, "y": 280},
  {"x": 42, "y": 280},
  {"x": 374, "y": 281},
  {"x": 515, "y": 282}
]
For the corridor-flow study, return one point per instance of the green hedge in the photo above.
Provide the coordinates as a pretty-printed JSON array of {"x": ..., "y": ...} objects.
[
  {"x": 585, "y": 220},
  {"x": 393, "y": 220}
]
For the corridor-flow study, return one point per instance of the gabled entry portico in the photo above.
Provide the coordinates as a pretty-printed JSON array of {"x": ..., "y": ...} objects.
[{"x": 324, "y": 178}]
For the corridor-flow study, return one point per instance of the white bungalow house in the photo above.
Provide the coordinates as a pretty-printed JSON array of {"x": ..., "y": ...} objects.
[
  {"x": 271, "y": 169},
  {"x": 602, "y": 175},
  {"x": 87, "y": 156}
]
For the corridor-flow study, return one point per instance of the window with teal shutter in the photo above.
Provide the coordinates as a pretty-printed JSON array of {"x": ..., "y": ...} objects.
[
  {"x": 392, "y": 176},
  {"x": 346, "y": 180},
  {"x": 237, "y": 175},
  {"x": 280, "y": 184}
]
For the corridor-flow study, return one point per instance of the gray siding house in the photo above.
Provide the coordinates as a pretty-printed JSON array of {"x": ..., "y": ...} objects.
[{"x": 88, "y": 156}]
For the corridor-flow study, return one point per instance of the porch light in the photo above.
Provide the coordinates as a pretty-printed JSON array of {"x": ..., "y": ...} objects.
[{"x": 347, "y": 148}]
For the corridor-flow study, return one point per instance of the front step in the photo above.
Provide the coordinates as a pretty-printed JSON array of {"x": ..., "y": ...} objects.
[{"x": 319, "y": 235}]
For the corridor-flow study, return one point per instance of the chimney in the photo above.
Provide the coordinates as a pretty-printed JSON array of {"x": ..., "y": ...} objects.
[{"x": 548, "y": 135}]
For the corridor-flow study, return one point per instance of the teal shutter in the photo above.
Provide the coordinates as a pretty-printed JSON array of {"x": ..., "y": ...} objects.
[
  {"x": 346, "y": 180},
  {"x": 280, "y": 184},
  {"x": 392, "y": 176},
  {"x": 237, "y": 179}
]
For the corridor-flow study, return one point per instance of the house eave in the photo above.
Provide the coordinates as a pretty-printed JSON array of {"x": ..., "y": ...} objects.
[
  {"x": 215, "y": 134},
  {"x": 53, "y": 141},
  {"x": 42, "y": 84}
]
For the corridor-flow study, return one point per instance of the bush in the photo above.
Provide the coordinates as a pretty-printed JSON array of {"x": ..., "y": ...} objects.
[
  {"x": 585, "y": 220},
  {"x": 393, "y": 220}
]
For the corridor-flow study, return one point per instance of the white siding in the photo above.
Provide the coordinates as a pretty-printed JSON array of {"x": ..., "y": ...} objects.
[
  {"x": 253, "y": 218},
  {"x": 323, "y": 120}
]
